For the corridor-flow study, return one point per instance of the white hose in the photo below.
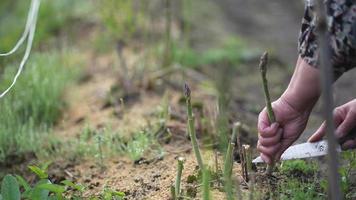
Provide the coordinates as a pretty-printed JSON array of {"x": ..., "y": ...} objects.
[
  {"x": 25, "y": 32},
  {"x": 31, "y": 34}
]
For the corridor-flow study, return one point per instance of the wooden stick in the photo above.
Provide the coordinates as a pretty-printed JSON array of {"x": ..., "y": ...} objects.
[
  {"x": 271, "y": 116},
  {"x": 335, "y": 192}
]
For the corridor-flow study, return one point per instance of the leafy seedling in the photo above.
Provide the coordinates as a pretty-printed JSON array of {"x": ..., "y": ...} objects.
[
  {"x": 10, "y": 188},
  {"x": 40, "y": 172}
]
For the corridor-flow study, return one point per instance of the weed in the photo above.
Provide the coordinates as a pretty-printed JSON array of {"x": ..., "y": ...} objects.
[
  {"x": 54, "y": 16},
  {"x": 137, "y": 146},
  {"x": 10, "y": 188},
  {"x": 230, "y": 52},
  {"x": 45, "y": 189},
  {"x": 120, "y": 18},
  {"x": 298, "y": 166},
  {"x": 296, "y": 190}
]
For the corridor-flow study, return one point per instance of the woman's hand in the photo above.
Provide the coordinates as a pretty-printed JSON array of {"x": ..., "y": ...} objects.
[
  {"x": 345, "y": 121},
  {"x": 291, "y": 110},
  {"x": 275, "y": 138}
]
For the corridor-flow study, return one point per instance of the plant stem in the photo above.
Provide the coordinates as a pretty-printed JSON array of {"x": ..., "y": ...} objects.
[
  {"x": 206, "y": 184},
  {"x": 271, "y": 116},
  {"x": 173, "y": 192},
  {"x": 179, "y": 176},
  {"x": 168, "y": 39},
  {"x": 191, "y": 127}
]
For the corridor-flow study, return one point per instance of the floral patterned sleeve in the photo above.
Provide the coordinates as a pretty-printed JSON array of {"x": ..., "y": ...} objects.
[{"x": 341, "y": 17}]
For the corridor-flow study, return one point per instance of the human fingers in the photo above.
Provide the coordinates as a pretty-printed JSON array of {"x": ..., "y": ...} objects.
[
  {"x": 268, "y": 151},
  {"x": 270, "y": 131},
  {"x": 267, "y": 159},
  {"x": 350, "y": 144},
  {"x": 271, "y": 141},
  {"x": 263, "y": 121},
  {"x": 346, "y": 125},
  {"x": 285, "y": 144},
  {"x": 320, "y": 133}
]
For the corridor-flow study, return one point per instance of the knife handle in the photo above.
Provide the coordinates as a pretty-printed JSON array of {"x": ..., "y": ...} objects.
[{"x": 350, "y": 136}]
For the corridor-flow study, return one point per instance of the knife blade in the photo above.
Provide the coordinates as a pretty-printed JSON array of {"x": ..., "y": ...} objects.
[
  {"x": 309, "y": 150},
  {"x": 304, "y": 150}
]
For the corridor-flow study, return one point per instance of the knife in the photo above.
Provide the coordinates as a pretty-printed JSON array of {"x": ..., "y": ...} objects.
[{"x": 309, "y": 150}]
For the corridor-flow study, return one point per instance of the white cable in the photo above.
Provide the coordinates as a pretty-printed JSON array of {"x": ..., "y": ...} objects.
[
  {"x": 28, "y": 47},
  {"x": 25, "y": 33}
]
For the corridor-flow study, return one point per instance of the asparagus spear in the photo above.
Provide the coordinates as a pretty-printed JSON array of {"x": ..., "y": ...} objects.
[
  {"x": 272, "y": 119},
  {"x": 191, "y": 128}
]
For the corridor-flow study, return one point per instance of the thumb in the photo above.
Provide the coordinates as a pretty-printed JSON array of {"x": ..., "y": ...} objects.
[{"x": 319, "y": 134}]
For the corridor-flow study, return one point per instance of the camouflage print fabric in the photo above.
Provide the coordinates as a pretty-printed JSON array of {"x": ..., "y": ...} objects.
[{"x": 341, "y": 17}]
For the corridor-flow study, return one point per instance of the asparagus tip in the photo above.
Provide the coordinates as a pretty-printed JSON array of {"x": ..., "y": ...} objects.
[
  {"x": 186, "y": 91},
  {"x": 237, "y": 124},
  {"x": 181, "y": 159},
  {"x": 263, "y": 61}
]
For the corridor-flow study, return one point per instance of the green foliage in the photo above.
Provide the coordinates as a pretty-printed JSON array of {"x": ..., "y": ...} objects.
[
  {"x": 54, "y": 16},
  {"x": 136, "y": 147},
  {"x": 45, "y": 189},
  {"x": 109, "y": 194},
  {"x": 120, "y": 18},
  {"x": 10, "y": 188},
  {"x": 230, "y": 51},
  {"x": 295, "y": 166},
  {"x": 347, "y": 180},
  {"x": 35, "y": 103},
  {"x": 296, "y": 190},
  {"x": 41, "y": 173},
  {"x": 112, "y": 143}
]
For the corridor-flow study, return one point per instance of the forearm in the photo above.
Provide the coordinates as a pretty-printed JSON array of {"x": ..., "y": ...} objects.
[{"x": 304, "y": 88}]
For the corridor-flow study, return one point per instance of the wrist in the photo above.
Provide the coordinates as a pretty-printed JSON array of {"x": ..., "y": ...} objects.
[
  {"x": 304, "y": 88},
  {"x": 298, "y": 100}
]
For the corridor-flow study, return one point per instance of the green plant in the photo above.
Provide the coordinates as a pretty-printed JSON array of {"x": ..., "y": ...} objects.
[
  {"x": 35, "y": 103},
  {"x": 137, "y": 146},
  {"x": 10, "y": 188},
  {"x": 45, "y": 189},
  {"x": 99, "y": 141},
  {"x": 120, "y": 18},
  {"x": 191, "y": 127},
  {"x": 109, "y": 194}
]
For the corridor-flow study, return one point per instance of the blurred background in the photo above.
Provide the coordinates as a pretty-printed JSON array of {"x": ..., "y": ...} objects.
[{"x": 109, "y": 72}]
